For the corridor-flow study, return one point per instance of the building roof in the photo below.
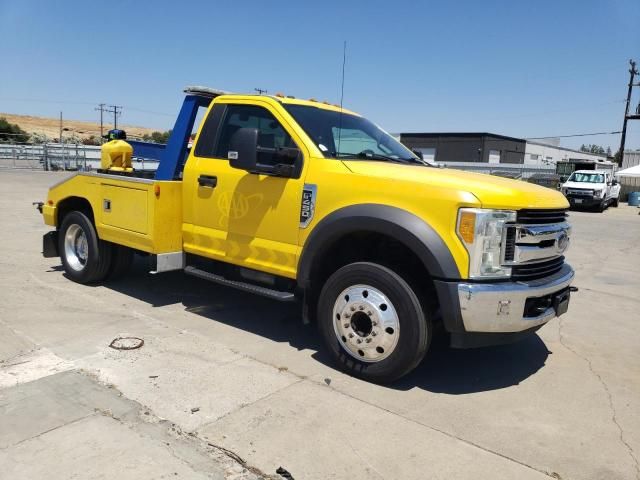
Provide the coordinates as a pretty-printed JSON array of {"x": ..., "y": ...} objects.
[
  {"x": 460, "y": 134},
  {"x": 603, "y": 155}
]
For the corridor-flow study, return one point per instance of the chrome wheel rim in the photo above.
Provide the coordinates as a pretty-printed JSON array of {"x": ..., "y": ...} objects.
[
  {"x": 366, "y": 323},
  {"x": 76, "y": 247}
]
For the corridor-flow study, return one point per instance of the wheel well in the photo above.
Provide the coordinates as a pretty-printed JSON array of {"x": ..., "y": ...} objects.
[
  {"x": 71, "y": 204},
  {"x": 377, "y": 248}
]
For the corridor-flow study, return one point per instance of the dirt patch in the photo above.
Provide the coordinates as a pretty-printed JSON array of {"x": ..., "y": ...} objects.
[{"x": 51, "y": 126}]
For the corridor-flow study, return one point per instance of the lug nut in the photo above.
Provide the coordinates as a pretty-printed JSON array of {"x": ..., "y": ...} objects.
[
  {"x": 351, "y": 335},
  {"x": 368, "y": 340},
  {"x": 369, "y": 312},
  {"x": 353, "y": 309},
  {"x": 359, "y": 340},
  {"x": 361, "y": 307},
  {"x": 346, "y": 325},
  {"x": 347, "y": 315},
  {"x": 373, "y": 334},
  {"x": 374, "y": 323}
]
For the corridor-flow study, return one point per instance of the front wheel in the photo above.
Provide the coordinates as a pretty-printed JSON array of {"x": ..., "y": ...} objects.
[
  {"x": 373, "y": 322},
  {"x": 85, "y": 258},
  {"x": 615, "y": 202}
]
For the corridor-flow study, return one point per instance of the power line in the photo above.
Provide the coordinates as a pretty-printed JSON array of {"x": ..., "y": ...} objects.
[
  {"x": 575, "y": 135},
  {"x": 70, "y": 102}
]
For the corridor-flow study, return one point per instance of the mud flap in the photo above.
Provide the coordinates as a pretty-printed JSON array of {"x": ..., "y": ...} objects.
[{"x": 50, "y": 245}]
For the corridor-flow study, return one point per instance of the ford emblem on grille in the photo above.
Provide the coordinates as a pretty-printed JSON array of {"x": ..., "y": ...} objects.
[{"x": 562, "y": 242}]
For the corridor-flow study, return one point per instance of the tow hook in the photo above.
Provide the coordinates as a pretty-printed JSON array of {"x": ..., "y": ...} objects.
[
  {"x": 38, "y": 205},
  {"x": 573, "y": 289}
]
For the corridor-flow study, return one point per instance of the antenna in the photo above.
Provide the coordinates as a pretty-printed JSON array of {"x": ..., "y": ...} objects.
[{"x": 344, "y": 61}]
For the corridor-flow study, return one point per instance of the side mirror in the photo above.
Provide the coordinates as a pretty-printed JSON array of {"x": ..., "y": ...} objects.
[
  {"x": 418, "y": 153},
  {"x": 243, "y": 149},
  {"x": 614, "y": 182},
  {"x": 244, "y": 154}
]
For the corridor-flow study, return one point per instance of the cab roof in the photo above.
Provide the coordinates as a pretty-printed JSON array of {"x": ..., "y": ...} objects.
[{"x": 212, "y": 93}]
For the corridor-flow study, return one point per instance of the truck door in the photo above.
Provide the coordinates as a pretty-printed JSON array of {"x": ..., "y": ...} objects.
[{"x": 247, "y": 219}]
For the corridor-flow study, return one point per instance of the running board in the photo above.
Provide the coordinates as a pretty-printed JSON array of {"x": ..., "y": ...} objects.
[{"x": 247, "y": 287}]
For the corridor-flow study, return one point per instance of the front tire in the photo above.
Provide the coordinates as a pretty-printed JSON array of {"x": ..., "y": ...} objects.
[
  {"x": 373, "y": 322},
  {"x": 85, "y": 258},
  {"x": 615, "y": 202}
]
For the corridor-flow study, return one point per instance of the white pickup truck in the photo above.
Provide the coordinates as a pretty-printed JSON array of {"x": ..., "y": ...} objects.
[{"x": 591, "y": 188}]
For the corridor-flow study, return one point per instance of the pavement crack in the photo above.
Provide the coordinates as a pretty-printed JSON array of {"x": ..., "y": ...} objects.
[
  {"x": 605, "y": 387},
  {"x": 395, "y": 414},
  {"x": 79, "y": 419}
]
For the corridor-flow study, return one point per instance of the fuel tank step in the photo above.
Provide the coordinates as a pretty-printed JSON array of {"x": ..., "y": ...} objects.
[{"x": 247, "y": 287}]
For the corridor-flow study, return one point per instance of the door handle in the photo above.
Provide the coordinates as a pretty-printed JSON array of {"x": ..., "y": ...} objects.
[{"x": 209, "y": 181}]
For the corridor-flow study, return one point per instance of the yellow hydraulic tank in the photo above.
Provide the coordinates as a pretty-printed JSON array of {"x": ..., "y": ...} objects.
[{"x": 116, "y": 156}]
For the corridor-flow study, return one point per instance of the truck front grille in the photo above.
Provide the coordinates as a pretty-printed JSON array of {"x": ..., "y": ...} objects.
[
  {"x": 533, "y": 247},
  {"x": 531, "y": 271},
  {"x": 532, "y": 217}
]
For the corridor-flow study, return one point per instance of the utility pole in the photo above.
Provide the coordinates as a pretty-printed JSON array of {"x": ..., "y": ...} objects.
[
  {"x": 60, "y": 137},
  {"x": 101, "y": 109},
  {"x": 116, "y": 110},
  {"x": 632, "y": 72}
]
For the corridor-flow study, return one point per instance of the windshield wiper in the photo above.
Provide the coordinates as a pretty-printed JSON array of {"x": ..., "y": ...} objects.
[{"x": 368, "y": 155}]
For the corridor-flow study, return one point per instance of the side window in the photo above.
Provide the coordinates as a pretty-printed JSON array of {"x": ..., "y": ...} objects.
[
  {"x": 206, "y": 142},
  {"x": 271, "y": 135}
]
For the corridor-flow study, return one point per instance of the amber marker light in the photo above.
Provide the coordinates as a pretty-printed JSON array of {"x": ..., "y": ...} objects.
[
  {"x": 467, "y": 226},
  {"x": 156, "y": 190}
]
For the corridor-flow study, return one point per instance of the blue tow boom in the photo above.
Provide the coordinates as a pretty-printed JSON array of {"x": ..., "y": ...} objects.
[{"x": 172, "y": 156}]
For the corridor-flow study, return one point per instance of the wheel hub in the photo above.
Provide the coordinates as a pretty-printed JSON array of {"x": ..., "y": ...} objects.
[
  {"x": 76, "y": 247},
  {"x": 366, "y": 323}
]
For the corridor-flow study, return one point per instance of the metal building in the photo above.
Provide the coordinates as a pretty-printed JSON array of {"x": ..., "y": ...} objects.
[{"x": 466, "y": 147}]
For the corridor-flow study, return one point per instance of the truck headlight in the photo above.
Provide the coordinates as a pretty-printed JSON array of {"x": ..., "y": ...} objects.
[
  {"x": 481, "y": 231},
  {"x": 597, "y": 192}
]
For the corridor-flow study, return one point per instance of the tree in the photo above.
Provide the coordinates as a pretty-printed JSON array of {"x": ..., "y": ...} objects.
[
  {"x": 91, "y": 140},
  {"x": 157, "y": 137},
  {"x": 608, "y": 151},
  {"x": 10, "y": 132},
  {"x": 617, "y": 158},
  {"x": 592, "y": 148}
]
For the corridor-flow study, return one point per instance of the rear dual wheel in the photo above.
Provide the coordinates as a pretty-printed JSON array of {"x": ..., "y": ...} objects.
[
  {"x": 86, "y": 258},
  {"x": 373, "y": 322}
]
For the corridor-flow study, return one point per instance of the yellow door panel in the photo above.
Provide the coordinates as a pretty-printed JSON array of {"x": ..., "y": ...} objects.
[
  {"x": 248, "y": 219},
  {"x": 125, "y": 208}
]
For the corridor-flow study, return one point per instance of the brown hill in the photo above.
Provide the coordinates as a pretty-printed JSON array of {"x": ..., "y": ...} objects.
[{"x": 51, "y": 127}]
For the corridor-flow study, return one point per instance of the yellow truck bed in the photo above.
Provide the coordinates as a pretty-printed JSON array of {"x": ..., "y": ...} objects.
[{"x": 140, "y": 213}]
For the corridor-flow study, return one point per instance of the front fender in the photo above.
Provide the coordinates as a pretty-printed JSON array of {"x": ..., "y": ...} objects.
[{"x": 404, "y": 226}]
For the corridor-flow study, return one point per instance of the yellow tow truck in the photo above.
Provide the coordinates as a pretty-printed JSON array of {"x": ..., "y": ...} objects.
[{"x": 300, "y": 200}]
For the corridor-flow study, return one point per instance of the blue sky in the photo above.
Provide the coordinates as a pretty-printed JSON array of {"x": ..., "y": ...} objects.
[{"x": 527, "y": 69}]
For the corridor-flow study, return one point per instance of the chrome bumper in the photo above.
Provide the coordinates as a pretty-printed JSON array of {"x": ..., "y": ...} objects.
[{"x": 499, "y": 307}]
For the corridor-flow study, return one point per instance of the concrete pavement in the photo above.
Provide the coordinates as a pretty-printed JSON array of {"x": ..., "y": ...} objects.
[{"x": 563, "y": 404}]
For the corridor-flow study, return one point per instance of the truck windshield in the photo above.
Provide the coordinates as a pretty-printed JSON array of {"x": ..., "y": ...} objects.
[
  {"x": 586, "y": 177},
  {"x": 350, "y": 136}
]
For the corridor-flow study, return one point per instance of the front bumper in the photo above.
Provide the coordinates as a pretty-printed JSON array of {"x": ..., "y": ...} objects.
[
  {"x": 480, "y": 314},
  {"x": 583, "y": 201},
  {"x": 503, "y": 307}
]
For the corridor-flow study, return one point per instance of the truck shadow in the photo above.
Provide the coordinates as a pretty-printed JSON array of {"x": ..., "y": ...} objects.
[{"x": 445, "y": 370}]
